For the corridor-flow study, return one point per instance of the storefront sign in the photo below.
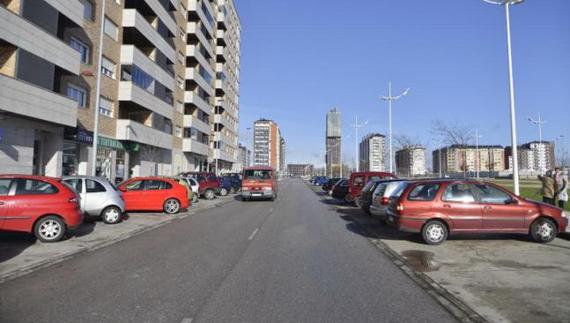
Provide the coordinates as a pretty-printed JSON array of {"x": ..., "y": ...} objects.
[{"x": 79, "y": 135}]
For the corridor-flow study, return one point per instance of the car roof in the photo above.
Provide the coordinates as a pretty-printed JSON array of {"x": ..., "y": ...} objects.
[
  {"x": 85, "y": 177},
  {"x": 38, "y": 177},
  {"x": 258, "y": 168}
]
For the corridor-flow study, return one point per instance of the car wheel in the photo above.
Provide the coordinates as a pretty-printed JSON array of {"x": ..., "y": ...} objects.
[
  {"x": 434, "y": 232},
  {"x": 543, "y": 230},
  {"x": 195, "y": 198},
  {"x": 50, "y": 229},
  {"x": 209, "y": 194},
  {"x": 171, "y": 206},
  {"x": 111, "y": 215},
  {"x": 223, "y": 192}
]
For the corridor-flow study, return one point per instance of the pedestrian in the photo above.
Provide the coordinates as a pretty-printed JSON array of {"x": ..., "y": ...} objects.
[
  {"x": 562, "y": 183},
  {"x": 548, "y": 189}
]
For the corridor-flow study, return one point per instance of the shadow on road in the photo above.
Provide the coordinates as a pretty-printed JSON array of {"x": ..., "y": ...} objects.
[
  {"x": 14, "y": 243},
  {"x": 84, "y": 229}
]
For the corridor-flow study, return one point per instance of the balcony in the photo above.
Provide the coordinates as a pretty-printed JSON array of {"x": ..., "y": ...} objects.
[
  {"x": 190, "y": 145},
  {"x": 71, "y": 9},
  {"x": 192, "y": 51},
  {"x": 221, "y": 53},
  {"x": 193, "y": 122},
  {"x": 192, "y": 74},
  {"x": 222, "y": 155},
  {"x": 222, "y": 36},
  {"x": 225, "y": 122},
  {"x": 163, "y": 15},
  {"x": 219, "y": 136},
  {"x": 192, "y": 28},
  {"x": 194, "y": 7},
  {"x": 133, "y": 19},
  {"x": 31, "y": 38},
  {"x": 130, "y": 92},
  {"x": 222, "y": 85},
  {"x": 193, "y": 98},
  {"x": 137, "y": 132},
  {"x": 28, "y": 100},
  {"x": 130, "y": 55},
  {"x": 222, "y": 18}
]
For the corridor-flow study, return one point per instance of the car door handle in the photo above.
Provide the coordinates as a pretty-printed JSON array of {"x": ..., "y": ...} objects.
[
  {"x": 447, "y": 205},
  {"x": 487, "y": 208}
]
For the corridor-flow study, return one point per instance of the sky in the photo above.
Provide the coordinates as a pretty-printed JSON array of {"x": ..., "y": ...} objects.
[{"x": 299, "y": 58}]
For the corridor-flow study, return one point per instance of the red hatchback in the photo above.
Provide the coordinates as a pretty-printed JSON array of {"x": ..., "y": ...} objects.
[
  {"x": 358, "y": 180},
  {"x": 154, "y": 194},
  {"x": 437, "y": 208},
  {"x": 40, "y": 205}
]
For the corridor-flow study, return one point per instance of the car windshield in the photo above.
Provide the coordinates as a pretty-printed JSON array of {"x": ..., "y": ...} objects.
[{"x": 257, "y": 174}]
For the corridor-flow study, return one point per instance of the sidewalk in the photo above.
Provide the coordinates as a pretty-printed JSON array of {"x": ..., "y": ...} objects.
[{"x": 21, "y": 254}]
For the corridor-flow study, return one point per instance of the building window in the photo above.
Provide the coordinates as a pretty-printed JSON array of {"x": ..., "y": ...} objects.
[
  {"x": 142, "y": 79},
  {"x": 108, "y": 68},
  {"x": 77, "y": 94},
  {"x": 105, "y": 107},
  {"x": 182, "y": 34},
  {"x": 180, "y": 82},
  {"x": 178, "y": 132},
  {"x": 82, "y": 48},
  {"x": 111, "y": 29},
  {"x": 88, "y": 10},
  {"x": 179, "y": 106}
]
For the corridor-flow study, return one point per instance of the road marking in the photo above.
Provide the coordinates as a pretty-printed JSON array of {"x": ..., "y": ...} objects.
[
  {"x": 253, "y": 234},
  {"x": 186, "y": 320},
  {"x": 270, "y": 210}
]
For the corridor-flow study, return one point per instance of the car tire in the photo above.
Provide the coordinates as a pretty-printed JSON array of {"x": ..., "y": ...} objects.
[
  {"x": 50, "y": 229},
  {"x": 171, "y": 206},
  {"x": 223, "y": 191},
  {"x": 543, "y": 230},
  {"x": 434, "y": 232},
  {"x": 244, "y": 199},
  {"x": 209, "y": 194},
  {"x": 111, "y": 215}
]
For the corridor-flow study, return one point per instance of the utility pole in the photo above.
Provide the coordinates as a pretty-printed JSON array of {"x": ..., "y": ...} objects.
[
  {"x": 356, "y": 126},
  {"x": 478, "y": 158},
  {"x": 391, "y": 98},
  {"x": 98, "y": 92}
]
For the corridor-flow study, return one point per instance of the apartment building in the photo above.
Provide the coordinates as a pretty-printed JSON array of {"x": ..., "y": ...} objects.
[
  {"x": 467, "y": 158},
  {"x": 333, "y": 142},
  {"x": 411, "y": 161},
  {"x": 156, "y": 105},
  {"x": 300, "y": 169},
  {"x": 282, "y": 151},
  {"x": 267, "y": 144},
  {"x": 532, "y": 156},
  {"x": 371, "y": 153},
  {"x": 244, "y": 158}
]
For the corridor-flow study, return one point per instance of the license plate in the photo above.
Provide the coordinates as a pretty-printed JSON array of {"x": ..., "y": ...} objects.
[{"x": 256, "y": 194}]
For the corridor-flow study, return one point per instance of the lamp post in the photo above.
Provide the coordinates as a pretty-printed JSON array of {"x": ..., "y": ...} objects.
[
  {"x": 357, "y": 126},
  {"x": 477, "y": 156},
  {"x": 539, "y": 122},
  {"x": 507, "y": 4},
  {"x": 391, "y": 98},
  {"x": 98, "y": 92}
]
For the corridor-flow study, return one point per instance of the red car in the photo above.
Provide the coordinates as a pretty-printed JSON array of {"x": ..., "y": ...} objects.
[
  {"x": 209, "y": 183},
  {"x": 358, "y": 180},
  {"x": 438, "y": 208},
  {"x": 40, "y": 205},
  {"x": 154, "y": 194}
]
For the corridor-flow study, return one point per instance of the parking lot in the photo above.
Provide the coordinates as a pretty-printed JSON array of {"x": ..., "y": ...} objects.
[
  {"x": 500, "y": 277},
  {"x": 21, "y": 253}
]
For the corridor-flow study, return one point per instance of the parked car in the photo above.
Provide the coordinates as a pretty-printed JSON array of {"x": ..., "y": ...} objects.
[
  {"x": 225, "y": 185},
  {"x": 209, "y": 184},
  {"x": 365, "y": 199},
  {"x": 39, "y": 205},
  {"x": 192, "y": 185},
  {"x": 259, "y": 182},
  {"x": 385, "y": 194},
  {"x": 438, "y": 208},
  {"x": 320, "y": 180},
  {"x": 235, "y": 179},
  {"x": 154, "y": 194},
  {"x": 330, "y": 183},
  {"x": 340, "y": 189},
  {"x": 358, "y": 180},
  {"x": 98, "y": 197}
]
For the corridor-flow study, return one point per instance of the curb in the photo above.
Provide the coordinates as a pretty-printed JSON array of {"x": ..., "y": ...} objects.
[
  {"x": 19, "y": 272},
  {"x": 454, "y": 305}
]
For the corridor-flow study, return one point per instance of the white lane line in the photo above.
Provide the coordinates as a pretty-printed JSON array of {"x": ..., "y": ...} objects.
[
  {"x": 253, "y": 234},
  {"x": 186, "y": 320}
]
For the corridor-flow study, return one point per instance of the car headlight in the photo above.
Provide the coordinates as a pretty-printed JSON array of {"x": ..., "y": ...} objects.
[
  {"x": 564, "y": 214},
  {"x": 267, "y": 188},
  {"x": 245, "y": 188}
]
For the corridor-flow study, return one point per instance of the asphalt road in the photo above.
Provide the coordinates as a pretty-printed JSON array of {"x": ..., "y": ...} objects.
[{"x": 292, "y": 260}]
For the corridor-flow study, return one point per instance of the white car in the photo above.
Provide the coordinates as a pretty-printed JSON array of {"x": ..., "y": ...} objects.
[
  {"x": 384, "y": 194},
  {"x": 194, "y": 186}
]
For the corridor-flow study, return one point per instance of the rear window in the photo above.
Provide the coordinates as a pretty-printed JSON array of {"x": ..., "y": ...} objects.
[
  {"x": 358, "y": 181},
  {"x": 423, "y": 192},
  {"x": 5, "y": 186},
  {"x": 153, "y": 185},
  {"x": 257, "y": 174},
  {"x": 368, "y": 186},
  {"x": 92, "y": 186},
  {"x": 34, "y": 187}
]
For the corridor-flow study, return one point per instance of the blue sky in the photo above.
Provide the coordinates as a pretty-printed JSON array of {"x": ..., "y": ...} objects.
[{"x": 301, "y": 57}]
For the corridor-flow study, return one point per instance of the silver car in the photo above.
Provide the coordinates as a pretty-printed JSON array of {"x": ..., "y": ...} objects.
[
  {"x": 98, "y": 197},
  {"x": 384, "y": 194},
  {"x": 194, "y": 186}
]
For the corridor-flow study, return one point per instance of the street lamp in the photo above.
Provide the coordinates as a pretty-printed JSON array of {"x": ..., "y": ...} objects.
[
  {"x": 478, "y": 158},
  {"x": 357, "y": 126},
  {"x": 539, "y": 122},
  {"x": 391, "y": 98},
  {"x": 507, "y": 4}
]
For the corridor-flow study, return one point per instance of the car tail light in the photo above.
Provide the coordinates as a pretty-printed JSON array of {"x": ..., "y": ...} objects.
[
  {"x": 385, "y": 200},
  {"x": 73, "y": 200},
  {"x": 400, "y": 207}
]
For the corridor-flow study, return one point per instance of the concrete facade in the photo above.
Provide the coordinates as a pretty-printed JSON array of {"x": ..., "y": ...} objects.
[
  {"x": 372, "y": 153},
  {"x": 333, "y": 143},
  {"x": 466, "y": 158},
  {"x": 267, "y": 144},
  {"x": 411, "y": 161}
]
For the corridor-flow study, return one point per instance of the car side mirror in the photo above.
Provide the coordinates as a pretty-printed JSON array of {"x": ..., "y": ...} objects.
[
  {"x": 513, "y": 201},
  {"x": 122, "y": 189}
]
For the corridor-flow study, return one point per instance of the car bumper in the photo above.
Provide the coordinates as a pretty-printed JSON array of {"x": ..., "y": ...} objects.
[
  {"x": 378, "y": 211},
  {"x": 404, "y": 224},
  {"x": 257, "y": 194}
]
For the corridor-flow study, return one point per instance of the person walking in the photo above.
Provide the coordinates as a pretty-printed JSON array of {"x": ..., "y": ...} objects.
[
  {"x": 562, "y": 183},
  {"x": 548, "y": 189}
]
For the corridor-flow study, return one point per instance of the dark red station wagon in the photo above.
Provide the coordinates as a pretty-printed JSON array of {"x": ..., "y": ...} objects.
[
  {"x": 358, "y": 180},
  {"x": 438, "y": 208}
]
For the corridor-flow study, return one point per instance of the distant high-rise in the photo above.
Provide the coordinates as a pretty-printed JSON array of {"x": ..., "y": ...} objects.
[
  {"x": 411, "y": 161},
  {"x": 333, "y": 142},
  {"x": 372, "y": 153},
  {"x": 463, "y": 158},
  {"x": 268, "y": 145},
  {"x": 533, "y": 156}
]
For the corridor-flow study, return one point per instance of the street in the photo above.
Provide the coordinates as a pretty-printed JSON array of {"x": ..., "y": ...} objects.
[{"x": 292, "y": 260}]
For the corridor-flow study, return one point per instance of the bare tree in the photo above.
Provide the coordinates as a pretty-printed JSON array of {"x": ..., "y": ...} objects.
[
  {"x": 452, "y": 134},
  {"x": 405, "y": 141}
]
